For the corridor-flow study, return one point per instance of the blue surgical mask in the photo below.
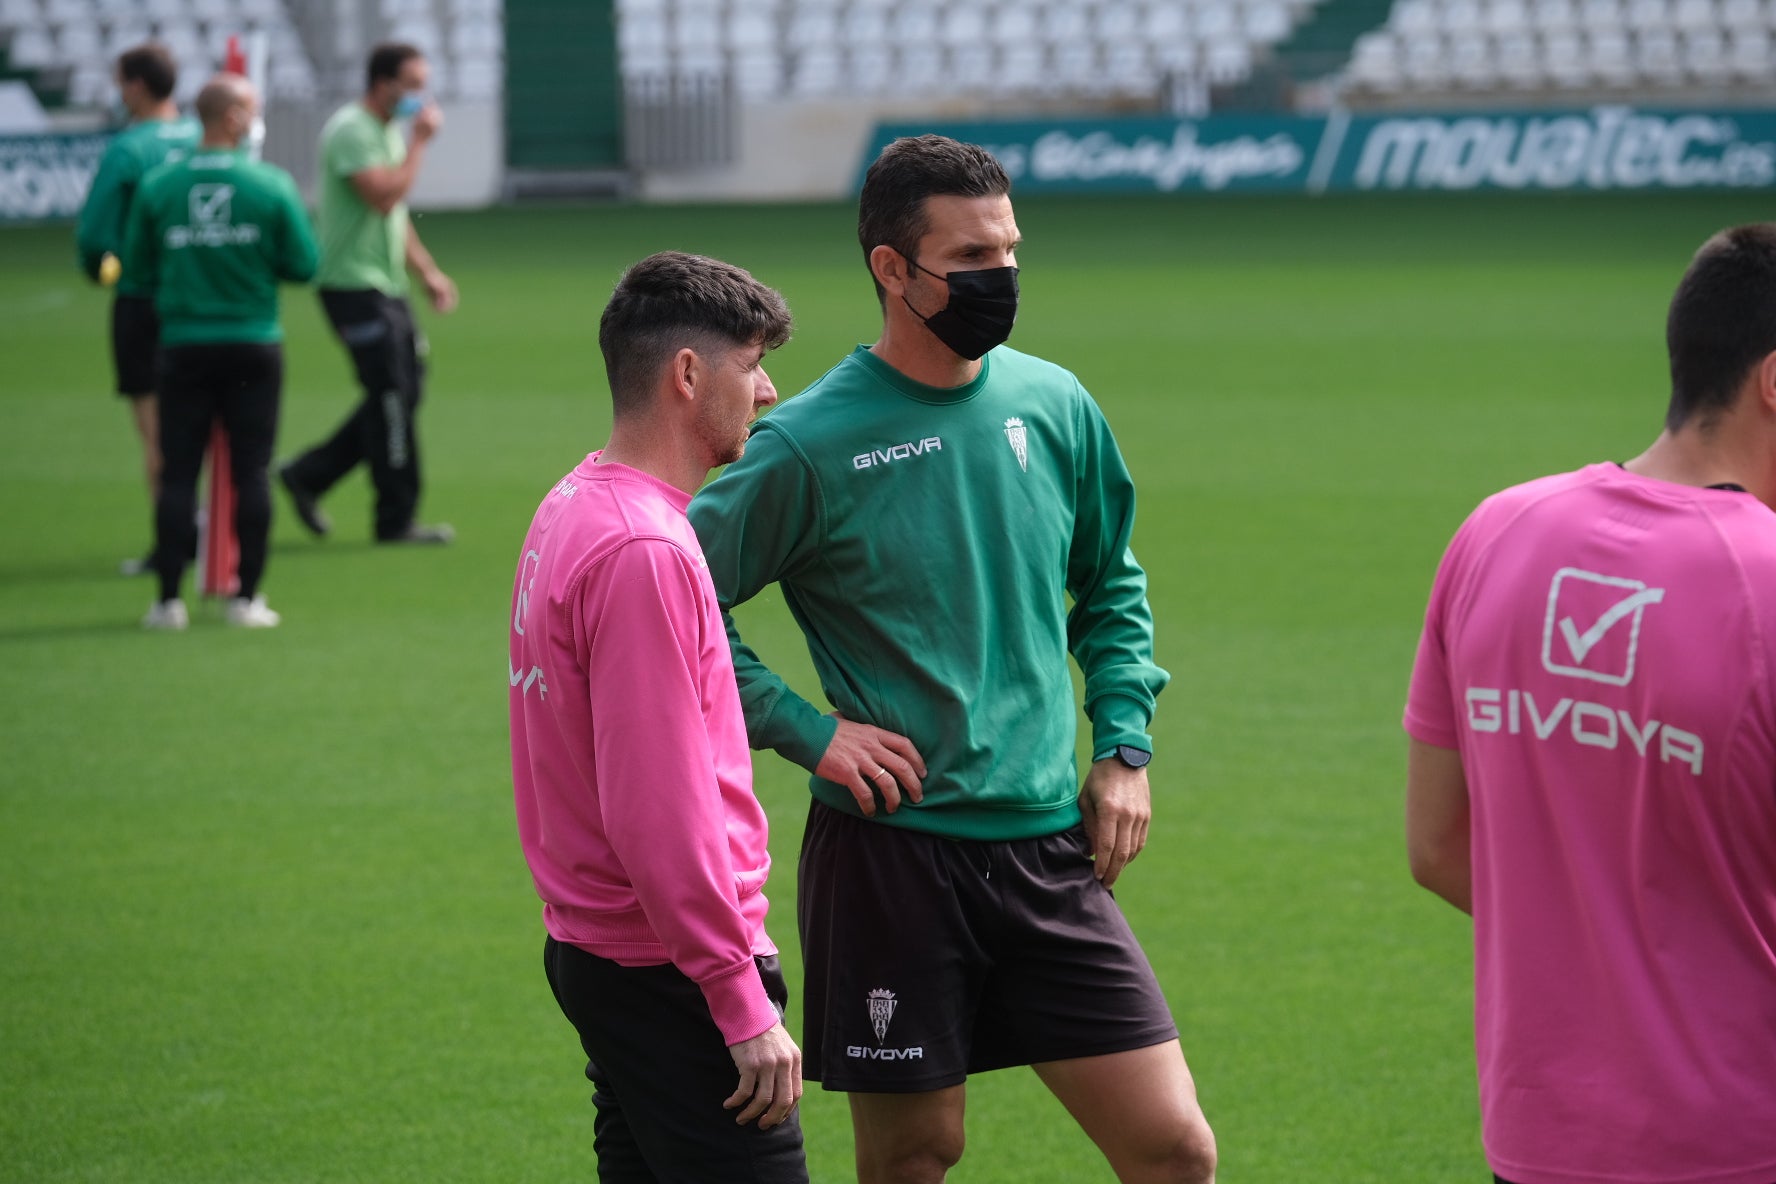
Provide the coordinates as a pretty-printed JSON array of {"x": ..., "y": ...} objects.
[{"x": 409, "y": 105}]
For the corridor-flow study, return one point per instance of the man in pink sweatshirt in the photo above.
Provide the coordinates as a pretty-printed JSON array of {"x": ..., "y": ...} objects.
[
  {"x": 629, "y": 756},
  {"x": 1592, "y": 774}
]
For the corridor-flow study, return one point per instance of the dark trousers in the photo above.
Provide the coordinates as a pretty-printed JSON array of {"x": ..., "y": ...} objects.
[
  {"x": 379, "y": 333},
  {"x": 660, "y": 1072},
  {"x": 241, "y": 385}
]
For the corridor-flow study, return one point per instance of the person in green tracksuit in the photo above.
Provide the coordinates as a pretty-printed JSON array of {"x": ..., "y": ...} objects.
[
  {"x": 928, "y": 508},
  {"x": 212, "y": 235},
  {"x": 146, "y": 76}
]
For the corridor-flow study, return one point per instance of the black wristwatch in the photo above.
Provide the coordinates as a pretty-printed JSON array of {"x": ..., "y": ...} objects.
[{"x": 1134, "y": 758}]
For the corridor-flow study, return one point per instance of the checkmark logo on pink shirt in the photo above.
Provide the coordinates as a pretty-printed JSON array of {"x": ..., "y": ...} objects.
[
  {"x": 1581, "y": 643},
  {"x": 1612, "y": 605}
]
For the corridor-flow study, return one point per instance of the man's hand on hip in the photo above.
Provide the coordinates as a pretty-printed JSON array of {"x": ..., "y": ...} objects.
[
  {"x": 770, "y": 1067},
  {"x": 1117, "y": 806},
  {"x": 869, "y": 760}
]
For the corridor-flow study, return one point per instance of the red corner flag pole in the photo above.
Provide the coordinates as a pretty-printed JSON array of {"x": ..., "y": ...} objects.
[{"x": 221, "y": 548}]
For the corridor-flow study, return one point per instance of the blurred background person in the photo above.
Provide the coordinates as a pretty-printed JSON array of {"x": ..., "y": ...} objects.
[
  {"x": 368, "y": 246},
  {"x": 146, "y": 76},
  {"x": 212, "y": 234}
]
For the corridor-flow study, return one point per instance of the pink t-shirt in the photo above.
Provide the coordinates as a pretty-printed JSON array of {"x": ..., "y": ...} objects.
[
  {"x": 1601, "y": 648},
  {"x": 632, "y": 774}
]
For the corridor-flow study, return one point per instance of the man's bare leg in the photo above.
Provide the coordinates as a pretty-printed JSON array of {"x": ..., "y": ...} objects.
[
  {"x": 146, "y": 411},
  {"x": 1140, "y": 1108},
  {"x": 907, "y": 1138}
]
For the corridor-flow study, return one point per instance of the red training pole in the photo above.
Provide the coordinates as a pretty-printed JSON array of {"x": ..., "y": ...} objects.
[{"x": 221, "y": 550}]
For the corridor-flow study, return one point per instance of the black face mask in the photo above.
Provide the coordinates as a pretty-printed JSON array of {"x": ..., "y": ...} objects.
[{"x": 982, "y": 309}]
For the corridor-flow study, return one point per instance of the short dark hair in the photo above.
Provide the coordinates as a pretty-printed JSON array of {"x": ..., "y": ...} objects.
[
  {"x": 672, "y": 301},
  {"x": 386, "y": 60},
  {"x": 1722, "y": 322},
  {"x": 891, "y": 211},
  {"x": 152, "y": 65}
]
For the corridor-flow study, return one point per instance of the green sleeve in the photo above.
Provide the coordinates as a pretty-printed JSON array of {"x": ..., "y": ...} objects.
[
  {"x": 1110, "y": 628},
  {"x": 101, "y": 227},
  {"x": 352, "y": 148},
  {"x": 298, "y": 256},
  {"x": 758, "y": 522},
  {"x": 141, "y": 246}
]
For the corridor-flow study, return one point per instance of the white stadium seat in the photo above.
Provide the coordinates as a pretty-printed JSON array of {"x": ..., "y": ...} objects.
[
  {"x": 1022, "y": 69},
  {"x": 816, "y": 73},
  {"x": 1013, "y": 24},
  {"x": 1505, "y": 17},
  {"x": 973, "y": 61},
  {"x": 1165, "y": 22},
  {"x": 864, "y": 24},
  {"x": 813, "y": 27},
  {"x": 913, "y": 25},
  {"x": 1564, "y": 59},
  {"x": 32, "y": 48},
  {"x": 20, "y": 14},
  {"x": 758, "y": 72},
  {"x": 1644, "y": 16},
  {"x": 1227, "y": 61},
  {"x": 753, "y": 30}
]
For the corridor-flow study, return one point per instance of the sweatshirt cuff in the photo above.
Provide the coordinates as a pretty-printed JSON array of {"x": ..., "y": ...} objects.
[
  {"x": 739, "y": 1004},
  {"x": 799, "y": 731},
  {"x": 1118, "y": 719}
]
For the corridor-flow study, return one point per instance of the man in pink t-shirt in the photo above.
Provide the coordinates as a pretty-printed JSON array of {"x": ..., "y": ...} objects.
[
  {"x": 630, "y": 764},
  {"x": 1592, "y": 774}
]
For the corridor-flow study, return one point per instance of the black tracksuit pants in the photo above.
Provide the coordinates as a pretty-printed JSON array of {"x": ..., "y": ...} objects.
[
  {"x": 240, "y": 384},
  {"x": 379, "y": 332}
]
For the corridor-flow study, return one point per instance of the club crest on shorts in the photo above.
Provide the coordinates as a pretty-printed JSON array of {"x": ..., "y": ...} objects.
[
  {"x": 881, "y": 1010},
  {"x": 1014, "y": 432}
]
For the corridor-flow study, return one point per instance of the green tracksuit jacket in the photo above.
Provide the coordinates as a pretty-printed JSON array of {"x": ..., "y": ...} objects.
[
  {"x": 132, "y": 154},
  {"x": 211, "y": 235},
  {"x": 927, "y": 542}
]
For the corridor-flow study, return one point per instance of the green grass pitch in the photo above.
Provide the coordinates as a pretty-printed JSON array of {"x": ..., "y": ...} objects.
[{"x": 263, "y": 917}]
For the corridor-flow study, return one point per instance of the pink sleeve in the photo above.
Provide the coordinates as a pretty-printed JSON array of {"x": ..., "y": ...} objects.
[
  {"x": 643, "y": 616},
  {"x": 1430, "y": 704}
]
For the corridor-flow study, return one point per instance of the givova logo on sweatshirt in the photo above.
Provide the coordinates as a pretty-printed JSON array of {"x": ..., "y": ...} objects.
[
  {"x": 211, "y": 211},
  {"x": 877, "y": 457}
]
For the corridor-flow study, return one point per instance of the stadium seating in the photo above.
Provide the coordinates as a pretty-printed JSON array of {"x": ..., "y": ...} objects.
[
  {"x": 77, "y": 41},
  {"x": 1010, "y": 50},
  {"x": 464, "y": 39},
  {"x": 1442, "y": 47},
  {"x": 1021, "y": 51}
]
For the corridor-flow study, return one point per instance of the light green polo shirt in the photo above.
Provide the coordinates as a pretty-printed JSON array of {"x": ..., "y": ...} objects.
[{"x": 360, "y": 248}]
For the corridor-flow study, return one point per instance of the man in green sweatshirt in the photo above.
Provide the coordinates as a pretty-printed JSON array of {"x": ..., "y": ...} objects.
[
  {"x": 927, "y": 508},
  {"x": 212, "y": 235},
  {"x": 146, "y": 76}
]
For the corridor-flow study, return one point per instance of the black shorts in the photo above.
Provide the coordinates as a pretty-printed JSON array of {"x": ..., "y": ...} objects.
[
  {"x": 660, "y": 1071},
  {"x": 928, "y": 958},
  {"x": 135, "y": 345}
]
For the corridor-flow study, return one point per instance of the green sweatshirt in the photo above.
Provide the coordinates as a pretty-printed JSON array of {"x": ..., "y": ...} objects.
[
  {"x": 132, "y": 154},
  {"x": 926, "y": 541},
  {"x": 211, "y": 235}
]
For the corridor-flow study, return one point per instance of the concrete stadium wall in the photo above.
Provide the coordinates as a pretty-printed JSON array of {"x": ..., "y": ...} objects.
[
  {"x": 466, "y": 165},
  {"x": 787, "y": 151}
]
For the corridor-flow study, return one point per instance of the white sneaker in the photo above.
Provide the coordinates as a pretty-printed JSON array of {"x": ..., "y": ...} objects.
[
  {"x": 250, "y": 614},
  {"x": 166, "y": 614}
]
